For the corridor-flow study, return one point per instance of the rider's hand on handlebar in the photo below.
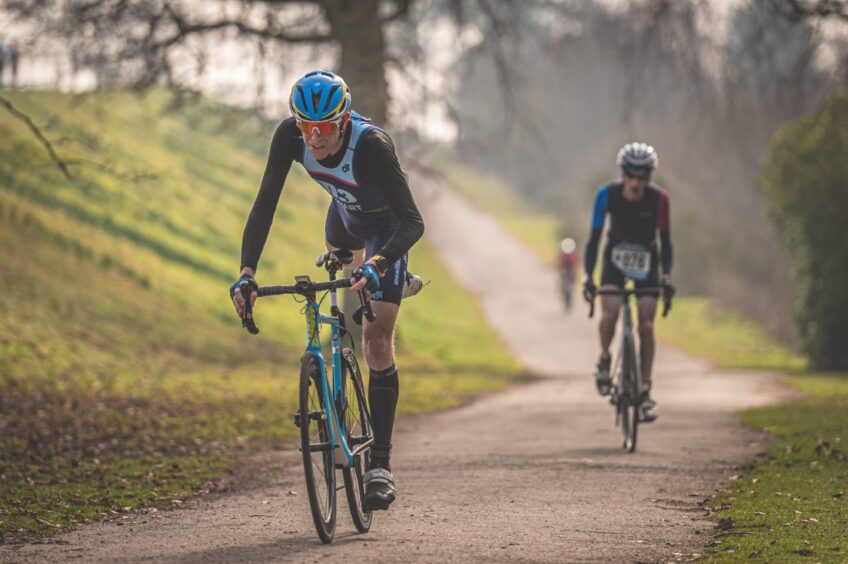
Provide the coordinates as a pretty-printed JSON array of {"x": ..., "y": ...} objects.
[
  {"x": 589, "y": 289},
  {"x": 235, "y": 291},
  {"x": 365, "y": 277}
]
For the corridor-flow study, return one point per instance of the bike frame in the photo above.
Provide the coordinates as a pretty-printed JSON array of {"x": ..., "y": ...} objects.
[
  {"x": 626, "y": 331},
  {"x": 314, "y": 321},
  {"x": 626, "y": 293}
]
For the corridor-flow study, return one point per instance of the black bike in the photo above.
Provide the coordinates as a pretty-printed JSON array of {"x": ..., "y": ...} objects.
[{"x": 626, "y": 395}]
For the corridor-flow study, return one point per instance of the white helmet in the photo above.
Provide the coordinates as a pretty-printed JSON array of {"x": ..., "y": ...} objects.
[{"x": 637, "y": 157}]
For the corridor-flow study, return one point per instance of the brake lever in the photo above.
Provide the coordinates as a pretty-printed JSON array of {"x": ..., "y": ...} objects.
[
  {"x": 666, "y": 307},
  {"x": 364, "y": 303},
  {"x": 366, "y": 306},
  {"x": 363, "y": 309},
  {"x": 247, "y": 311}
]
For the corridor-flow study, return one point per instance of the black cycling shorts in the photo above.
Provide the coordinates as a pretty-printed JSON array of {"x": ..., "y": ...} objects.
[
  {"x": 610, "y": 274},
  {"x": 353, "y": 231}
]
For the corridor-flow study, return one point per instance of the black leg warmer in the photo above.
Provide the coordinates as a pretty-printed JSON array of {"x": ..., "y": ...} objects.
[{"x": 383, "y": 397}]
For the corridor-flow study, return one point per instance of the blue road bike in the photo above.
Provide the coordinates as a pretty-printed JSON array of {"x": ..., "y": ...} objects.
[{"x": 333, "y": 417}]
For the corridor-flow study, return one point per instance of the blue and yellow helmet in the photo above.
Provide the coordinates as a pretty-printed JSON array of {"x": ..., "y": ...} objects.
[{"x": 319, "y": 96}]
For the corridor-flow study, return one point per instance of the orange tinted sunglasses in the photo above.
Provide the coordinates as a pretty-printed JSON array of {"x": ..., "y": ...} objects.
[{"x": 324, "y": 127}]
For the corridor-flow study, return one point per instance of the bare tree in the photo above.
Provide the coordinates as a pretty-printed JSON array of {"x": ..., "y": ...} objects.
[{"x": 141, "y": 39}]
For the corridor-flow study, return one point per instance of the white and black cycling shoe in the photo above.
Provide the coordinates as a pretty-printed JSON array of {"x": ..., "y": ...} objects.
[
  {"x": 380, "y": 489},
  {"x": 603, "y": 382},
  {"x": 648, "y": 411}
]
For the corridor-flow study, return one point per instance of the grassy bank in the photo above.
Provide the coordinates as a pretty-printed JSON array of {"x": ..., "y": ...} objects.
[
  {"x": 726, "y": 338},
  {"x": 125, "y": 378}
]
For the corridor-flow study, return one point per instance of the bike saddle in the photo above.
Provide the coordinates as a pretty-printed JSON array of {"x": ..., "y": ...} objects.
[{"x": 342, "y": 256}]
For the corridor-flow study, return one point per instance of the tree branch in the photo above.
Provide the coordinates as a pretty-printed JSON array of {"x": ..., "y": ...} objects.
[
  {"x": 184, "y": 29},
  {"x": 62, "y": 165},
  {"x": 800, "y": 9},
  {"x": 131, "y": 176}
]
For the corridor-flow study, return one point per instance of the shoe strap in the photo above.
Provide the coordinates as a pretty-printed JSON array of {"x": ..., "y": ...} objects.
[{"x": 378, "y": 476}]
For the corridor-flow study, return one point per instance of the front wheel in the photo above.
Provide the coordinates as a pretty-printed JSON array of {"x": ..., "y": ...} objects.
[
  {"x": 628, "y": 398},
  {"x": 358, "y": 427},
  {"x": 319, "y": 468}
]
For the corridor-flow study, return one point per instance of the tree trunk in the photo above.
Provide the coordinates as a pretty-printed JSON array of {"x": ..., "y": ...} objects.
[{"x": 356, "y": 25}]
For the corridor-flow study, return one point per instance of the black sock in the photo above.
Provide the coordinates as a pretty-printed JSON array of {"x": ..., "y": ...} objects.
[{"x": 382, "y": 397}]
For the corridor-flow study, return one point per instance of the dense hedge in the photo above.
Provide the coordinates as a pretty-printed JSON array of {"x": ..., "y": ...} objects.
[{"x": 806, "y": 181}]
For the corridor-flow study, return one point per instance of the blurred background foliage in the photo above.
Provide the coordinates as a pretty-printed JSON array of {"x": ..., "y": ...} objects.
[
  {"x": 806, "y": 181},
  {"x": 707, "y": 91}
]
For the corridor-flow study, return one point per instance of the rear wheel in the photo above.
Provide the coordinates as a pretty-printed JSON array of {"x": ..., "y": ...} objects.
[
  {"x": 628, "y": 399},
  {"x": 358, "y": 427},
  {"x": 318, "y": 465}
]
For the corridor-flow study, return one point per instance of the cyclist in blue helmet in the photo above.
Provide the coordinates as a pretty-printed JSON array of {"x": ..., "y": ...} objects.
[{"x": 371, "y": 213}]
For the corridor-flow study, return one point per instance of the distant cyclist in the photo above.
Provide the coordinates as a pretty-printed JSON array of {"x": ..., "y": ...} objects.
[
  {"x": 638, "y": 210},
  {"x": 372, "y": 213},
  {"x": 568, "y": 261}
]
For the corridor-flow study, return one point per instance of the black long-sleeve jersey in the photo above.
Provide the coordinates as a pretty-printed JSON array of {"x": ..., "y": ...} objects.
[{"x": 382, "y": 184}]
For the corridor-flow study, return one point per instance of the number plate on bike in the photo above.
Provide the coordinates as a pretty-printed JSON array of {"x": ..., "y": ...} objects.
[{"x": 633, "y": 260}]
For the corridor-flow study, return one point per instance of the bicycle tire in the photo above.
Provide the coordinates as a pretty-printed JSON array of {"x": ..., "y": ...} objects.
[
  {"x": 359, "y": 428},
  {"x": 318, "y": 466},
  {"x": 628, "y": 403}
]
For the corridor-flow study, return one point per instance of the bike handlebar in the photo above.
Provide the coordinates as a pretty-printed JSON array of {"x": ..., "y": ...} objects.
[
  {"x": 627, "y": 292},
  {"x": 305, "y": 289}
]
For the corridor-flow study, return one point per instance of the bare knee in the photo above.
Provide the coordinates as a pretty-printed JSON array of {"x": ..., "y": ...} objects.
[
  {"x": 646, "y": 329},
  {"x": 378, "y": 346},
  {"x": 609, "y": 310}
]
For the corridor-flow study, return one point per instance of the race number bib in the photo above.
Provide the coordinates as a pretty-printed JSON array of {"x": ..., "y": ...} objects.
[{"x": 633, "y": 260}]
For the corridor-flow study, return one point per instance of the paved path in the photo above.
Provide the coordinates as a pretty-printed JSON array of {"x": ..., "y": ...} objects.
[{"x": 534, "y": 473}]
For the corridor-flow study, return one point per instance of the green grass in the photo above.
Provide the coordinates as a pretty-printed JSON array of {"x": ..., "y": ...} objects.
[
  {"x": 791, "y": 504},
  {"x": 700, "y": 327},
  {"x": 121, "y": 360},
  {"x": 65, "y": 492}
]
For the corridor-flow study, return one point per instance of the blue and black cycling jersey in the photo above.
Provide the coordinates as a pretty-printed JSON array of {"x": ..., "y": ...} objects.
[
  {"x": 631, "y": 222},
  {"x": 364, "y": 178}
]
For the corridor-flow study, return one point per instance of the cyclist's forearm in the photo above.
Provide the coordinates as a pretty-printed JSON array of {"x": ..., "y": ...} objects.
[
  {"x": 591, "y": 254},
  {"x": 666, "y": 252},
  {"x": 255, "y": 235},
  {"x": 382, "y": 165},
  {"x": 411, "y": 226},
  {"x": 407, "y": 234}
]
